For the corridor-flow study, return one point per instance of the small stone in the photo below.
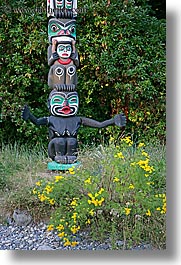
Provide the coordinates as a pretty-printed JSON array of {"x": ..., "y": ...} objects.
[{"x": 44, "y": 247}]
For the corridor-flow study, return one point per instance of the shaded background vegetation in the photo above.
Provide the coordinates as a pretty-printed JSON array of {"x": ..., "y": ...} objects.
[{"x": 121, "y": 46}]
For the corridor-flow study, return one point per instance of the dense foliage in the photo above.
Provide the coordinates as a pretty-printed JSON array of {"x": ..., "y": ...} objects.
[{"x": 122, "y": 68}]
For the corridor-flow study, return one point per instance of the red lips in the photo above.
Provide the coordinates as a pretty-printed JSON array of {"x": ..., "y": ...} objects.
[
  {"x": 64, "y": 54},
  {"x": 66, "y": 110}
]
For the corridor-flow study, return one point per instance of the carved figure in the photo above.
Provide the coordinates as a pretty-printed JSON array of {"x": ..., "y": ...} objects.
[
  {"x": 62, "y": 54},
  {"x": 63, "y": 125},
  {"x": 62, "y": 8},
  {"x": 63, "y": 59},
  {"x": 58, "y": 28}
]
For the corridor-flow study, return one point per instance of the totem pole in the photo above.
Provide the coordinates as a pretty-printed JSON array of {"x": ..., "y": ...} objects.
[{"x": 63, "y": 101}]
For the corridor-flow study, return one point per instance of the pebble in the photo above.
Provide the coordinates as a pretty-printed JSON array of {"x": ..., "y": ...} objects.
[{"x": 36, "y": 237}]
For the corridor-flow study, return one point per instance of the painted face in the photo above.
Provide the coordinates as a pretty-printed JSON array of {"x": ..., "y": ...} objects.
[
  {"x": 64, "y": 27},
  {"x": 68, "y": 4},
  {"x": 64, "y": 104},
  {"x": 60, "y": 4},
  {"x": 64, "y": 50}
]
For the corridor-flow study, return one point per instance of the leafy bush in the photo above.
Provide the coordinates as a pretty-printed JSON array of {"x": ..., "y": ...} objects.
[
  {"x": 122, "y": 55},
  {"x": 118, "y": 192}
]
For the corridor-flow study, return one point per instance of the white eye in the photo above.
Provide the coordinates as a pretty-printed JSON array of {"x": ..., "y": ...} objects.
[
  {"x": 59, "y": 71},
  {"x": 72, "y": 29},
  {"x": 71, "y": 71},
  {"x": 54, "y": 27}
]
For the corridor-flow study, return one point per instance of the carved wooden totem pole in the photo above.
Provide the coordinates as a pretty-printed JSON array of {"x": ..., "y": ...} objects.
[{"x": 63, "y": 100}]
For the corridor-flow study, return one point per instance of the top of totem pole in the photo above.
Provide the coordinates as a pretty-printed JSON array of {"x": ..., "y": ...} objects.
[{"x": 62, "y": 8}]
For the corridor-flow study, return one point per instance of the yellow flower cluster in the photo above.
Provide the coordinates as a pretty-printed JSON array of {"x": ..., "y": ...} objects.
[
  {"x": 93, "y": 198},
  {"x": 75, "y": 229},
  {"x": 74, "y": 202},
  {"x": 163, "y": 208},
  {"x": 68, "y": 243},
  {"x": 127, "y": 140},
  {"x": 74, "y": 217},
  {"x": 61, "y": 229},
  {"x": 144, "y": 164},
  {"x": 46, "y": 191},
  {"x": 119, "y": 155}
]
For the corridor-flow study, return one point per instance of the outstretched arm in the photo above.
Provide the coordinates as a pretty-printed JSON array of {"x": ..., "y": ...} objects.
[
  {"x": 26, "y": 115},
  {"x": 119, "y": 120}
]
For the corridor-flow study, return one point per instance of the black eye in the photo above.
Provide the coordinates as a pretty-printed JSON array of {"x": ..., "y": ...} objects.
[
  {"x": 72, "y": 29},
  {"x": 54, "y": 27}
]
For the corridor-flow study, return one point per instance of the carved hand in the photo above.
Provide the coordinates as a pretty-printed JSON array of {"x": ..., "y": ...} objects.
[
  {"x": 25, "y": 113},
  {"x": 120, "y": 120}
]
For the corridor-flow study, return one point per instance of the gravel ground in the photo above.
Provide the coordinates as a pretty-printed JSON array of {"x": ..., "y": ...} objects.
[{"x": 36, "y": 237}]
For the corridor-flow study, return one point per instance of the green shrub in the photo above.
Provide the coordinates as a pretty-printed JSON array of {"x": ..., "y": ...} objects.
[{"x": 122, "y": 68}]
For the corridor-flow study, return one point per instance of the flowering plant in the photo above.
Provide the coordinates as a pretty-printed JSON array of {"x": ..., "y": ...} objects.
[{"x": 116, "y": 191}]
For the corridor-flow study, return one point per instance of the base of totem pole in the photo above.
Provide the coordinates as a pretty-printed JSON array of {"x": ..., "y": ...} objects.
[{"x": 57, "y": 166}]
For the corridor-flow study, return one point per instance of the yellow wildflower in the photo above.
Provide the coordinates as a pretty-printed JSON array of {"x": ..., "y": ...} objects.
[
  {"x": 148, "y": 213},
  {"x": 100, "y": 201},
  {"x": 74, "y": 203},
  {"x": 60, "y": 227},
  {"x": 88, "y": 181},
  {"x": 48, "y": 189},
  {"x": 133, "y": 164},
  {"x": 95, "y": 202},
  {"x": 52, "y": 201},
  {"x": 131, "y": 186},
  {"x": 67, "y": 242},
  {"x": 100, "y": 191},
  {"x": 141, "y": 144},
  {"x": 150, "y": 183},
  {"x": 74, "y": 243},
  {"x": 62, "y": 234},
  {"x": 50, "y": 227},
  {"x": 71, "y": 171},
  {"x": 57, "y": 178},
  {"x": 145, "y": 154},
  {"x": 127, "y": 210},
  {"x": 111, "y": 139},
  {"x": 127, "y": 140},
  {"x": 115, "y": 179},
  {"x": 74, "y": 229},
  {"x": 119, "y": 155},
  {"x": 38, "y": 183},
  {"x": 91, "y": 212},
  {"x": 34, "y": 191},
  {"x": 164, "y": 208},
  {"x": 90, "y": 195},
  {"x": 88, "y": 221},
  {"x": 42, "y": 197},
  {"x": 74, "y": 217}
]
